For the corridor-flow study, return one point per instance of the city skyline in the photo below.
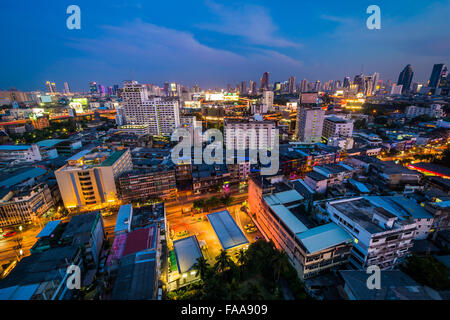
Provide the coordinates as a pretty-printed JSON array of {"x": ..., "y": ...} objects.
[{"x": 199, "y": 43}]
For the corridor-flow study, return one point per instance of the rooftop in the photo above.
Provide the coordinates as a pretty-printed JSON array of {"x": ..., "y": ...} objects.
[
  {"x": 187, "y": 252},
  {"x": 228, "y": 232},
  {"x": 323, "y": 237}
]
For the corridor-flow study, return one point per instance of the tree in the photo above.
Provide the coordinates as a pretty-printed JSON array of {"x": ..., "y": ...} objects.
[
  {"x": 427, "y": 271},
  {"x": 203, "y": 268},
  {"x": 226, "y": 200},
  {"x": 223, "y": 262},
  {"x": 280, "y": 263}
]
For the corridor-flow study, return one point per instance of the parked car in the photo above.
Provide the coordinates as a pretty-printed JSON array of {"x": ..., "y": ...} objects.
[{"x": 249, "y": 226}]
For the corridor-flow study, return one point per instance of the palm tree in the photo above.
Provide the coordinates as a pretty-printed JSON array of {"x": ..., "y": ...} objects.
[
  {"x": 223, "y": 262},
  {"x": 203, "y": 268},
  {"x": 242, "y": 257},
  {"x": 234, "y": 290},
  {"x": 254, "y": 292},
  {"x": 280, "y": 264}
]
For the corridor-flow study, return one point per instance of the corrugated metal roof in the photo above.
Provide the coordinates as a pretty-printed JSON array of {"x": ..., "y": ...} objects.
[
  {"x": 323, "y": 237},
  {"x": 228, "y": 232},
  {"x": 187, "y": 252},
  {"x": 288, "y": 218}
]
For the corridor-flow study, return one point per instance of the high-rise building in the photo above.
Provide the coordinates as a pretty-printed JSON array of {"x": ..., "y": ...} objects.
[
  {"x": 115, "y": 87},
  {"x": 375, "y": 78},
  {"x": 268, "y": 100},
  {"x": 253, "y": 87},
  {"x": 347, "y": 82},
  {"x": 291, "y": 89},
  {"x": 48, "y": 84},
  {"x": 439, "y": 70},
  {"x": 241, "y": 135},
  {"x": 265, "y": 81},
  {"x": 66, "y": 88},
  {"x": 405, "y": 78},
  {"x": 243, "y": 87},
  {"x": 360, "y": 83},
  {"x": 304, "y": 86},
  {"x": 309, "y": 124},
  {"x": 162, "y": 115},
  {"x": 93, "y": 87},
  {"x": 101, "y": 90}
]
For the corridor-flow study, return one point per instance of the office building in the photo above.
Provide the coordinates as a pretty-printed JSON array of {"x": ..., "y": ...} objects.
[
  {"x": 405, "y": 79},
  {"x": 438, "y": 73}
]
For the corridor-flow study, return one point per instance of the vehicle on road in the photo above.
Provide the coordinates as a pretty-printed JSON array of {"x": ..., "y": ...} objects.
[{"x": 9, "y": 234}]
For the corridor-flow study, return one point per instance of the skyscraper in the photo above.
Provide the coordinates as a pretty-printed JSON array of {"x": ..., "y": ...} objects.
[
  {"x": 375, "y": 78},
  {"x": 304, "y": 85},
  {"x": 93, "y": 87},
  {"x": 436, "y": 75},
  {"x": 405, "y": 78},
  {"x": 253, "y": 87},
  {"x": 243, "y": 87},
  {"x": 291, "y": 85},
  {"x": 359, "y": 81},
  {"x": 66, "y": 88},
  {"x": 346, "y": 82},
  {"x": 265, "y": 81},
  {"x": 48, "y": 84}
]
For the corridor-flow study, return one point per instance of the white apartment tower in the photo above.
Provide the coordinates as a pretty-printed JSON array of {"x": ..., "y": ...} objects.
[
  {"x": 162, "y": 115},
  {"x": 309, "y": 124}
]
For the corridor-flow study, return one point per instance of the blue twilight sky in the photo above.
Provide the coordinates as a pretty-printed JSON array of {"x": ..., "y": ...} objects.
[{"x": 212, "y": 42}]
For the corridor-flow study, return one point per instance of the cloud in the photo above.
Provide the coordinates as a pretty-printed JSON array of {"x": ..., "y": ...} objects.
[
  {"x": 251, "y": 22},
  {"x": 157, "y": 53}
]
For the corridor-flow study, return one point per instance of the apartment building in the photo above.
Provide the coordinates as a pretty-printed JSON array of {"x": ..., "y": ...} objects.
[
  {"x": 311, "y": 250},
  {"x": 249, "y": 135},
  {"x": 309, "y": 124},
  {"x": 434, "y": 111},
  {"x": 148, "y": 183},
  {"x": 89, "y": 177},
  {"x": 336, "y": 126},
  {"x": 25, "y": 205},
  {"x": 161, "y": 115},
  {"x": 380, "y": 237}
]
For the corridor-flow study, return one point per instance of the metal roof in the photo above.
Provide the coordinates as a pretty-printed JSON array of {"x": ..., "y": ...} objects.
[
  {"x": 323, "y": 237},
  {"x": 187, "y": 252},
  {"x": 228, "y": 232},
  {"x": 123, "y": 218},
  {"x": 48, "y": 229},
  {"x": 288, "y": 218}
]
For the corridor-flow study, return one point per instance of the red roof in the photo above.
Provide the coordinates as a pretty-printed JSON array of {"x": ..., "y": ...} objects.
[{"x": 139, "y": 240}]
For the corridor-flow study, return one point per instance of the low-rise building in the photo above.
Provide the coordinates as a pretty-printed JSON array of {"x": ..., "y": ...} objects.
[
  {"x": 380, "y": 237},
  {"x": 311, "y": 251}
]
